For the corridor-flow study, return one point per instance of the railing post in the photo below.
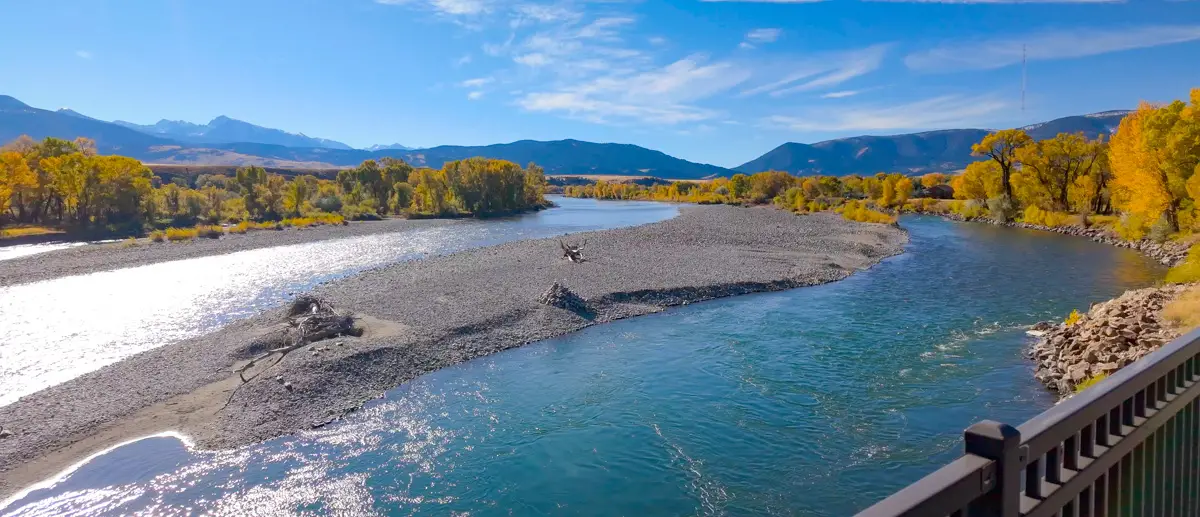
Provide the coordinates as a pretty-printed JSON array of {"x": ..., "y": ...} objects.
[{"x": 1000, "y": 443}]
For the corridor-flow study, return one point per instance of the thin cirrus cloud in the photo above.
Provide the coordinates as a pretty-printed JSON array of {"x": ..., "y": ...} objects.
[
  {"x": 661, "y": 96},
  {"x": 932, "y": 113},
  {"x": 450, "y": 7},
  {"x": 826, "y": 71},
  {"x": 1046, "y": 45},
  {"x": 840, "y": 95}
]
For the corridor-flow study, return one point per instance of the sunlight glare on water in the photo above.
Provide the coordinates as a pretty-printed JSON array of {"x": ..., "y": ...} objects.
[{"x": 55, "y": 330}]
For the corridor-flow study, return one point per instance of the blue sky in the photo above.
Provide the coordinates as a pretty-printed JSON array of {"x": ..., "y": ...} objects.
[{"x": 716, "y": 82}]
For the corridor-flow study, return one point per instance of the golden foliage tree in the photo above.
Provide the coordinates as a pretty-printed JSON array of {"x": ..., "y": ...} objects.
[{"x": 1001, "y": 147}]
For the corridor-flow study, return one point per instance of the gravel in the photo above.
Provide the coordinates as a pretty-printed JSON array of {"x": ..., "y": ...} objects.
[{"x": 423, "y": 315}]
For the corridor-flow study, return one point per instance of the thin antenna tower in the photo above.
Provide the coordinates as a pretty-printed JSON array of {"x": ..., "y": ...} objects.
[{"x": 1023, "y": 75}]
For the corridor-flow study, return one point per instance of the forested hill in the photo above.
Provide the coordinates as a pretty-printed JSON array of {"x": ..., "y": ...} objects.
[{"x": 933, "y": 151}]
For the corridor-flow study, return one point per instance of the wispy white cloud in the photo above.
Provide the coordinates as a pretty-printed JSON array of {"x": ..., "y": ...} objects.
[
  {"x": 657, "y": 40},
  {"x": 1047, "y": 45},
  {"x": 528, "y": 14},
  {"x": 533, "y": 59},
  {"x": 765, "y": 35},
  {"x": 840, "y": 95},
  {"x": 475, "y": 95},
  {"x": 449, "y": 7},
  {"x": 477, "y": 82},
  {"x": 465, "y": 60},
  {"x": 83, "y": 54},
  {"x": 663, "y": 96},
  {"x": 938, "y": 112},
  {"x": 825, "y": 71}
]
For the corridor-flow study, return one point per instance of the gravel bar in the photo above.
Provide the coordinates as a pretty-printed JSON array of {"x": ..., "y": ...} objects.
[{"x": 423, "y": 315}]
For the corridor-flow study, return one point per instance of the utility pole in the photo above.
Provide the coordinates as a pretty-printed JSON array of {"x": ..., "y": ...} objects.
[{"x": 1023, "y": 75}]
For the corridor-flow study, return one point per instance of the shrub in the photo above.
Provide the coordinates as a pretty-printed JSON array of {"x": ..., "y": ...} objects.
[
  {"x": 331, "y": 204},
  {"x": 182, "y": 234},
  {"x": 210, "y": 231},
  {"x": 859, "y": 211},
  {"x": 1160, "y": 231},
  {"x": 970, "y": 209},
  {"x": 241, "y": 227},
  {"x": 1001, "y": 208},
  {"x": 131, "y": 242},
  {"x": 1089, "y": 382},
  {"x": 1072, "y": 318},
  {"x": 1188, "y": 271},
  {"x": 1130, "y": 227},
  {"x": 1035, "y": 215},
  {"x": 158, "y": 236}
]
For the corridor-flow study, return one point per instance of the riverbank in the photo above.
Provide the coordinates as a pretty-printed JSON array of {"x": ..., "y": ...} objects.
[
  {"x": 1167, "y": 253},
  {"x": 1109, "y": 336},
  {"x": 419, "y": 316}
]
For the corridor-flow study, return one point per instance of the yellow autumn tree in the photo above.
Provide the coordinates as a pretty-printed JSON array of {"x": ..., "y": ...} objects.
[
  {"x": 933, "y": 179},
  {"x": 15, "y": 175},
  {"x": 979, "y": 181},
  {"x": 1001, "y": 148},
  {"x": 1140, "y": 186},
  {"x": 904, "y": 188}
]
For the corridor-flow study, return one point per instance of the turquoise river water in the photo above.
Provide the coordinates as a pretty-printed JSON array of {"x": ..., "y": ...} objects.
[{"x": 815, "y": 401}]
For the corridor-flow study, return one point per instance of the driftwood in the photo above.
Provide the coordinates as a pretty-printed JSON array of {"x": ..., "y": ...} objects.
[
  {"x": 312, "y": 319},
  {"x": 572, "y": 253}
]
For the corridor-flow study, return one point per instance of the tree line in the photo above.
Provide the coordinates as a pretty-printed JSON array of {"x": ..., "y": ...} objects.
[
  {"x": 1143, "y": 181},
  {"x": 67, "y": 184}
]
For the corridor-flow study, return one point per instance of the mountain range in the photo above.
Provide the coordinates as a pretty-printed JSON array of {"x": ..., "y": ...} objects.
[
  {"x": 914, "y": 153},
  {"x": 226, "y": 141},
  {"x": 225, "y": 130}
]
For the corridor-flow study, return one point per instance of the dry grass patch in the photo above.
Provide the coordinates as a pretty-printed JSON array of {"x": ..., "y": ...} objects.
[
  {"x": 25, "y": 231},
  {"x": 1184, "y": 310}
]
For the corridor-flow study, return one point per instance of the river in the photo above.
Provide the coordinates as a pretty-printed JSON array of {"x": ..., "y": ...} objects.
[
  {"x": 815, "y": 401},
  {"x": 56, "y": 330}
]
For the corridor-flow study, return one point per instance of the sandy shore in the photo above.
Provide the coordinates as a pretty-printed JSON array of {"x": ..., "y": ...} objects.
[{"x": 424, "y": 315}]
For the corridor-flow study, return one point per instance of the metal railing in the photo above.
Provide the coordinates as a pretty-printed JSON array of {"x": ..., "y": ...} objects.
[{"x": 1127, "y": 446}]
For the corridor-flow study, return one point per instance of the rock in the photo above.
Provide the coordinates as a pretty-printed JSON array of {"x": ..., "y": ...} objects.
[
  {"x": 5, "y": 433},
  {"x": 1110, "y": 336},
  {"x": 287, "y": 386},
  {"x": 339, "y": 343},
  {"x": 279, "y": 379},
  {"x": 1042, "y": 326},
  {"x": 1078, "y": 373}
]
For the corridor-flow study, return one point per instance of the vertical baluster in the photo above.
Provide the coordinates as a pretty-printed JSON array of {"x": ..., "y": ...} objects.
[
  {"x": 1192, "y": 483},
  {"x": 1087, "y": 441},
  {"x": 1083, "y": 504},
  {"x": 1139, "y": 404},
  {"x": 1054, "y": 465},
  {"x": 1101, "y": 430},
  {"x": 1100, "y": 493},
  {"x": 1127, "y": 412},
  {"x": 1071, "y": 453},
  {"x": 1033, "y": 480}
]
